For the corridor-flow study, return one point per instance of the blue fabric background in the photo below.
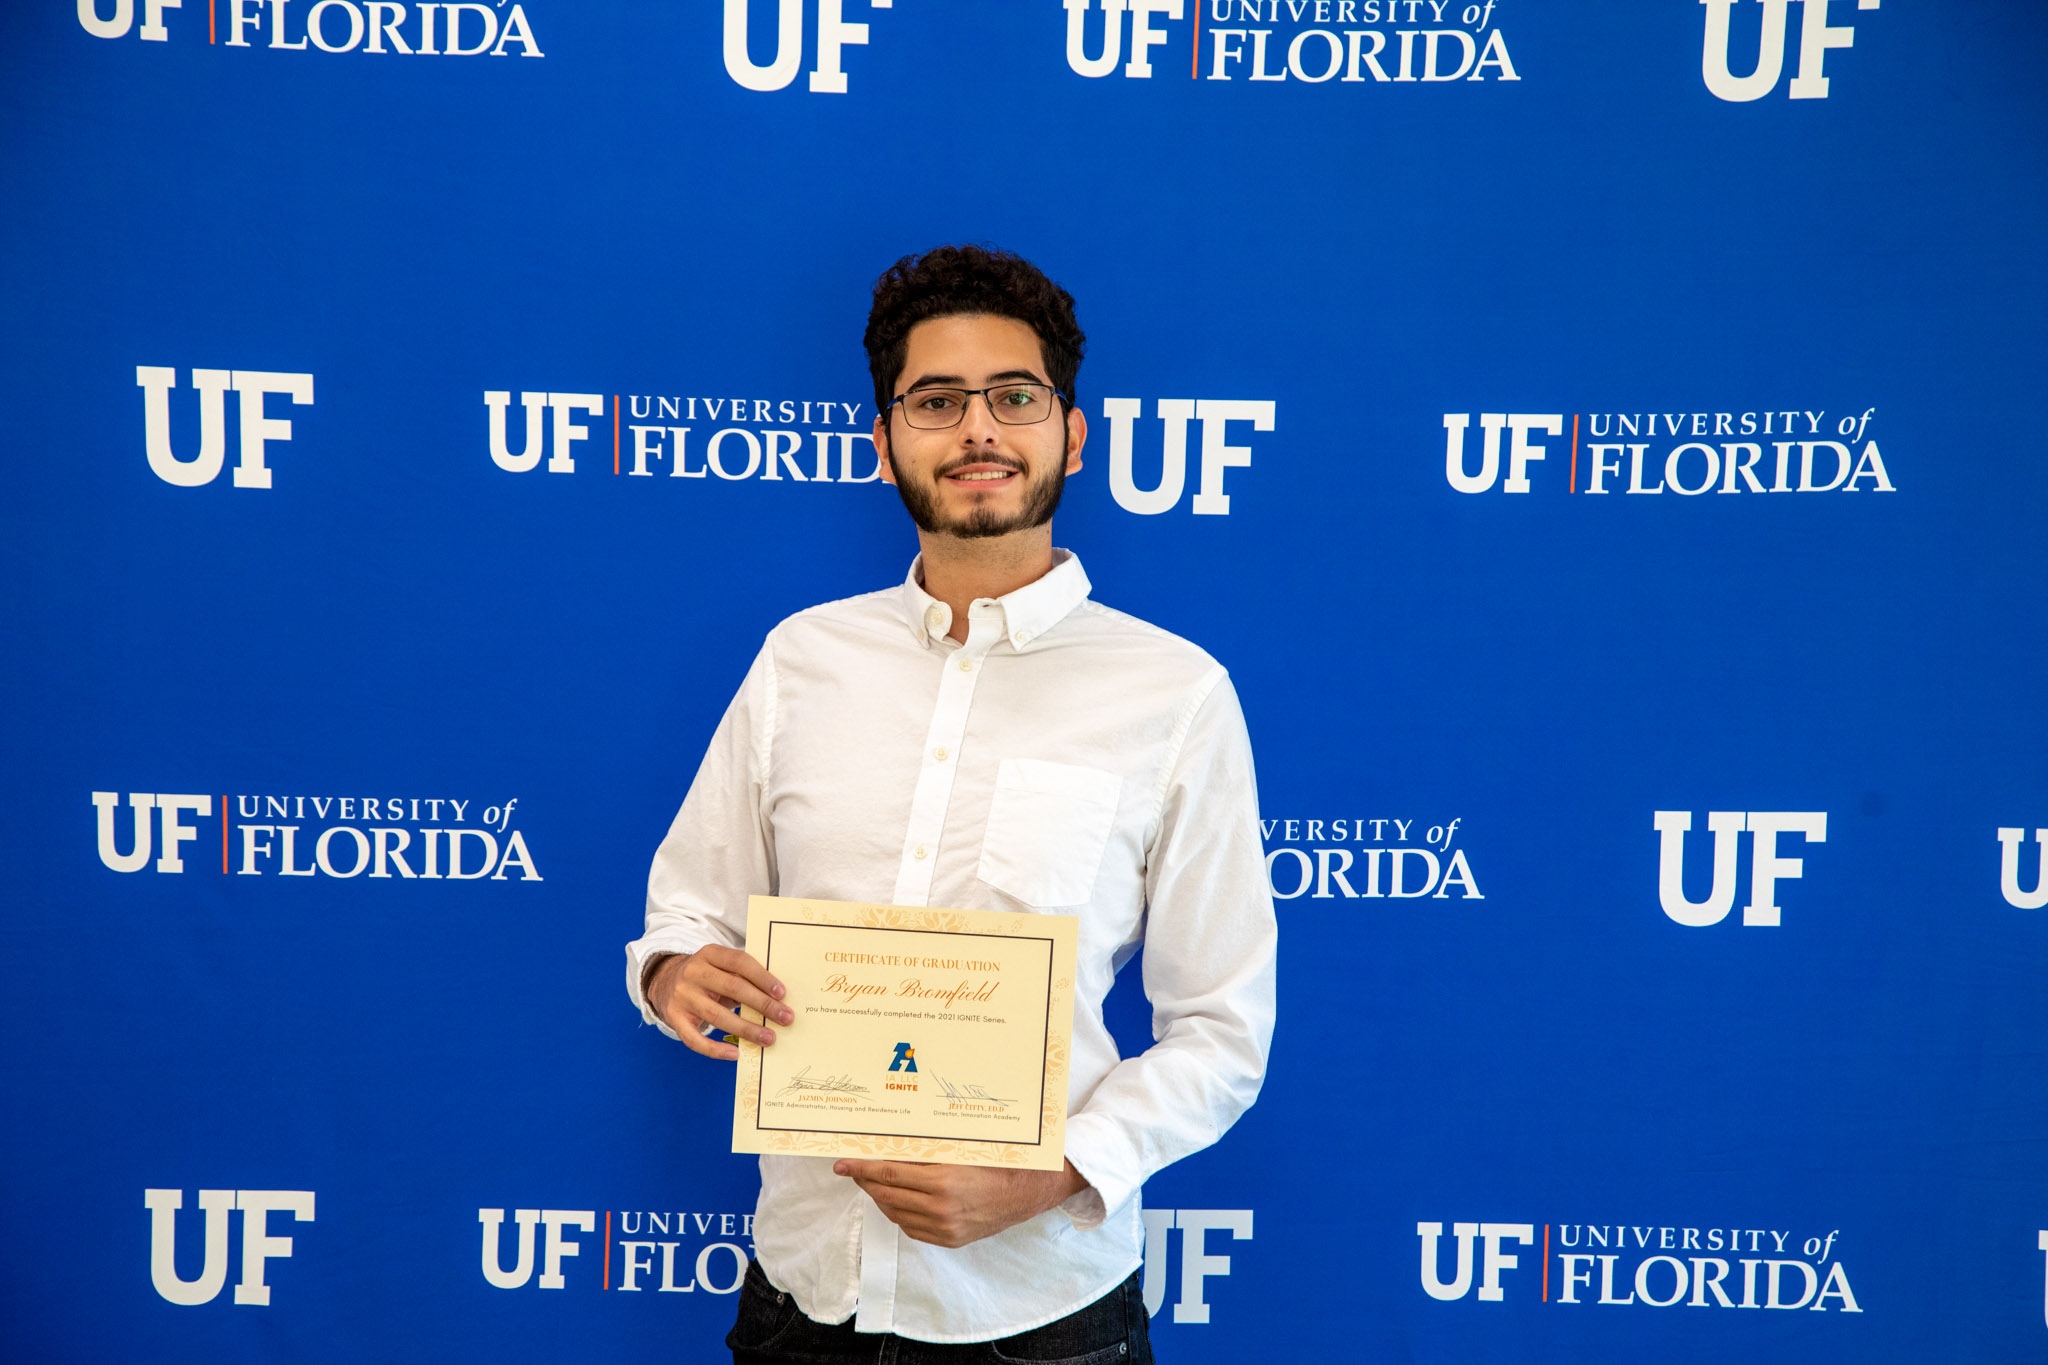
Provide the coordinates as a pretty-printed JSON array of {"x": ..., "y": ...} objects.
[{"x": 398, "y": 616}]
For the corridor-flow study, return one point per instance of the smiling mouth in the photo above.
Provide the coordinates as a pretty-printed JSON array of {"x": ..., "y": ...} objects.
[{"x": 982, "y": 476}]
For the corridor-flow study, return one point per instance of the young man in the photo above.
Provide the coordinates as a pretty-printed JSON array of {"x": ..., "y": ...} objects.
[{"x": 983, "y": 736}]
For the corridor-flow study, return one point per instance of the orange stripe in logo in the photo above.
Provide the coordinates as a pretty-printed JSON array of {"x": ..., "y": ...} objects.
[
  {"x": 608, "y": 1213},
  {"x": 223, "y": 834},
  {"x": 615, "y": 469},
  {"x": 1574, "y": 488}
]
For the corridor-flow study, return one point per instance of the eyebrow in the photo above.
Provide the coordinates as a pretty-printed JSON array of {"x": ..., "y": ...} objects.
[{"x": 925, "y": 381}]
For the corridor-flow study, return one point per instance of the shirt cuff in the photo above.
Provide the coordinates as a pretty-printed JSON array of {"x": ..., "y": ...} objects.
[
  {"x": 1102, "y": 1154},
  {"x": 1085, "y": 1210}
]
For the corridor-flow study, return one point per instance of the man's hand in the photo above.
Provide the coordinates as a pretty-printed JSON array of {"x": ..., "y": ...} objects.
[
  {"x": 704, "y": 987},
  {"x": 950, "y": 1206}
]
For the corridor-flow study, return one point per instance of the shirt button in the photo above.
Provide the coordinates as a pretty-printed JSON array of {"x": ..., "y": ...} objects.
[
  {"x": 967, "y": 665},
  {"x": 918, "y": 852},
  {"x": 940, "y": 753},
  {"x": 1020, "y": 637},
  {"x": 935, "y": 616}
]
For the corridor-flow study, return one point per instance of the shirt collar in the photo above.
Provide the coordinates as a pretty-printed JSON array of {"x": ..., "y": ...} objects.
[{"x": 1028, "y": 613}]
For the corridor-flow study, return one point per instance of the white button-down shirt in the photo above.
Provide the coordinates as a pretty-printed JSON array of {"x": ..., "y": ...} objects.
[{"x": 1066, "y": 758}]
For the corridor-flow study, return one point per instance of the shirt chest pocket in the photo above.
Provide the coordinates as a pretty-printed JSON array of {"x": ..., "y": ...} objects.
[{"x": 1048, "y": 825}]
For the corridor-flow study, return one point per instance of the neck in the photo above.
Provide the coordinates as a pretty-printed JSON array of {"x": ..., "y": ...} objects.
[{"x": 959, "y": 571}]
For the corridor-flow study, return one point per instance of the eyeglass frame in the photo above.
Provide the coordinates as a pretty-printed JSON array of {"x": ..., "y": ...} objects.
[{"x": 1066, "y": 404}]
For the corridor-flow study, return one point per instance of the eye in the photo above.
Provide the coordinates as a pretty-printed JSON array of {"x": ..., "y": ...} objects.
[{"x": 935, "y": 402}]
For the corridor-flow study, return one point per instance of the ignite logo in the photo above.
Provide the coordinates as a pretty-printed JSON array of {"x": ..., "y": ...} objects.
[{"x": 906, "y": 1058}]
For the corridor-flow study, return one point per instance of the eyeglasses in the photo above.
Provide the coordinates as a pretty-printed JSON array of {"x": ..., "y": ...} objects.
[{"x": 1013, "y": 405}]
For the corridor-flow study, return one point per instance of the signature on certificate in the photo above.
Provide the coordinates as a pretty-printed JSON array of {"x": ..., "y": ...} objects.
[
  {"x": 803, "y": 1080},
  {"x": 967, "y": 1092}
]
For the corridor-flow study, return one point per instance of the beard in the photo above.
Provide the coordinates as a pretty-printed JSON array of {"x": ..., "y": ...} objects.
[{"x": 1041, "y": 500}]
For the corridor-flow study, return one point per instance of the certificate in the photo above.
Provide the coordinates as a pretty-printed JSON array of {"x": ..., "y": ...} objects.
[{"x": 921, "y": 1034}]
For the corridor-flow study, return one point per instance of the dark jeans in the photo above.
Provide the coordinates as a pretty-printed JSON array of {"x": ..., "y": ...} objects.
[{"x": 772, "y": 1330}]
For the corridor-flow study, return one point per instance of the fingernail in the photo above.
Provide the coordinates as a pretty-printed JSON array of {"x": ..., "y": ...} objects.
[
  {"x": 839, "y": 1168},
  {"x": 787, "y": 1017},
  {"x": 767, "y": 1036},
  {"x": 778, "y": 992}
]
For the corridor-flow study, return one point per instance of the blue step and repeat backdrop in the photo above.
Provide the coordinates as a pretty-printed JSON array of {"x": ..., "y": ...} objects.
[{"x": 1595, "y": 436}]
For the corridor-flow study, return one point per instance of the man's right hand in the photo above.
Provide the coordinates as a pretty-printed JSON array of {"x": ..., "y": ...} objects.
[{"x": 692, "y": 989}]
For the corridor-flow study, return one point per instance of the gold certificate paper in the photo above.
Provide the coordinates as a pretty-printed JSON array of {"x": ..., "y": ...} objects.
[{"x": 920, "y": 1034}]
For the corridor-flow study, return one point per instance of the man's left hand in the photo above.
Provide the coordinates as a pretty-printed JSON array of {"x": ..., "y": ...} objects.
[{"x": 950, "y": 1206}]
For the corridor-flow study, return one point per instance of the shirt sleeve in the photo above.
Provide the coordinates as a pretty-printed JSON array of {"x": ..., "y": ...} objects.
[
  {"x": 718, "y": 850},
  {"x": 1210, "y": 939}
]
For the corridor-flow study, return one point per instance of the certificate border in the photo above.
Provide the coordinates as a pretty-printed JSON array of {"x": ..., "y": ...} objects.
[
  {"x": 1048, "y": 1153},
  {"x": 1045, "y": 1019}
]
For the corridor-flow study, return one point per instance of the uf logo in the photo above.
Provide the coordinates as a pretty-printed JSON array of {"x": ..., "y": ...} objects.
[
  {"x": 1815, "y": 38},
  {"x": 1766, "y": 867},
  {"x": 559, "y": 1244},
  {"x": 156, "y": 383},
  {"x": 1143, "y": 37},
  {"x": 258, "y": 1245},
  {"x": 1215, "y": 415},
  {"x": 567, "y": 431},
  {"x": 153, "y": 30},
  {"x": 833, "y": 34},
  {"x": 1495, "y": 1261},
  {"x": 1521, "y": 450},
  {"x": 168, "y": 807},
  {"x": 906, "y": 1058},
  {"x": 1196, "y": 1264},
  {"x": 2009, "y": 841}
]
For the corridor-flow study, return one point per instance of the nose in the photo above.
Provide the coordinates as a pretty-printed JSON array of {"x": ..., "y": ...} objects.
[{"x": 978, "y": 422}]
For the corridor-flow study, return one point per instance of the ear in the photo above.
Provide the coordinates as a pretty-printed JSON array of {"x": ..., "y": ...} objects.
[
  {"x": 1077, "y": 436},
  {"x": 885, "y": 468}
]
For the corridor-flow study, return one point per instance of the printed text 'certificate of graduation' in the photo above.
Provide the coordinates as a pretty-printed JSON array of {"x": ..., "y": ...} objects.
[{"x": 921, "y": 1034}]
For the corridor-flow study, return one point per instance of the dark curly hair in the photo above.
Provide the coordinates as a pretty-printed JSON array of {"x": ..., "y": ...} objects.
[{"x": 949, "y": 280}]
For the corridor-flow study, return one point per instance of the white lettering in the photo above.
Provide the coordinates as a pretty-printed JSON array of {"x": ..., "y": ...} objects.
[
  {"x": 558, "y": 1245},
  {"x": 257, "y": 429},
  {"x": 1196, "y": 1264},
  {"x": 494, "y": 1272},
  {"x": 1216, "y": 415},
  {"x": 163, "y": 1206}
]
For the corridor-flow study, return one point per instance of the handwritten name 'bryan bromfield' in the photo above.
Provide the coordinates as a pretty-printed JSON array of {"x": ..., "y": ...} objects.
[{"x": 913, "y": 988}]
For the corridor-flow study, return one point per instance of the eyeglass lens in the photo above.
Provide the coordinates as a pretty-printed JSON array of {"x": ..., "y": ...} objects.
[{"x": 1011, "y": 404}]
